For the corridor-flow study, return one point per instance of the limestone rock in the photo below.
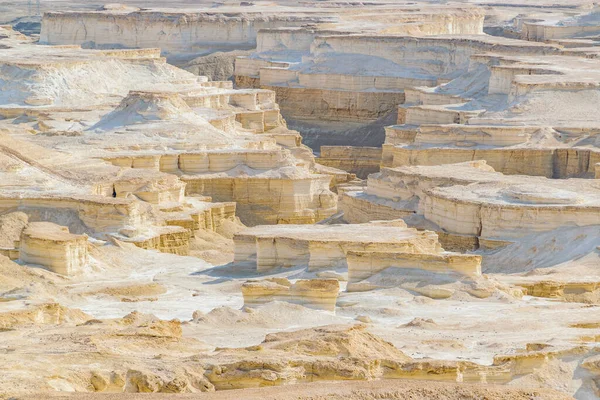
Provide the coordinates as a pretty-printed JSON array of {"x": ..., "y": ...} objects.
[
  {"x": 324, "y": 246},
  {"x": 345, "y": 353},
  {"x": 148, "y": 325},
  {"x": 54, "y": 247},
  {"x": 317, "y": 293},
  {"x": 44, "y": 314},
  {"x": 483, "y": 210},
  {"x": 11, "y": 227}
]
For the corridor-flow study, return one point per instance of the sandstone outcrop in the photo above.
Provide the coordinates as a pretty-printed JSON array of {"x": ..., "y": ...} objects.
[
  {"x": 575, "y": 31},
  {"x": 326, "y": 246},
  {"x": 52, "y": 246},
  {"x": 44, "y": 314},
  {"x": 358, "y": 77},
  {"x": 339, "y": 350},
  {"x": 375, "y": 255},
  {"x": 11, "y": 227},
  {"x": 175, "y": 32},
  {"x": 362, "y": 265},
  {"x": 514, "y": 111},
  {"x": 494, "y": 207},
  {"x": 315, "y": 293},
  {"x": 343, "y": 353},
  {"x": 185, "y": 137},
  {"x": 263, "y": 199}
]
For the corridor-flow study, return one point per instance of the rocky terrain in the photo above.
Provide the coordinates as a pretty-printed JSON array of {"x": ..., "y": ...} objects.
[{"x": 170, "y": 224}]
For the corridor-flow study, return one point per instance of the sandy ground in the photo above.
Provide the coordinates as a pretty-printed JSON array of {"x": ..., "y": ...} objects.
[{"x": 383, "y": 389}]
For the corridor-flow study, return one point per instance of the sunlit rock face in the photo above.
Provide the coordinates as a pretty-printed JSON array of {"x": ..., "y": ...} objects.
[
  {"x": 325, "y": 246},
  {"x": 474, "y": 200},
  {"x": 52, "y": 246},
  {"x": 315, "y": 293},
  {"x": 175, "y": 32},
  {"x": 189, "y": 31}
]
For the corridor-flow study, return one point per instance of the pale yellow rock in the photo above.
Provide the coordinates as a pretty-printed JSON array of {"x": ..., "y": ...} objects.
[
  {"x": 325, "y": 246},
  {"x": 167, "y": 239},
  {"x": 44, "y": 314},
  {"x": 314, "y": 293},
  {"x": 362, "y": 265},
  {"x": 495, "y": 206},
  {"x": 52, "y": 246},
  {"x": 271, "y": 200}
]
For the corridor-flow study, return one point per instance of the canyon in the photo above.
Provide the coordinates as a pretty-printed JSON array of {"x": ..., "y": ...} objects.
[{"x": 320, "y": 199}]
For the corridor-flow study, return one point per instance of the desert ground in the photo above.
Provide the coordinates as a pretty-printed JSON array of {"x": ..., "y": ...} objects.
[{"x": 300, "y": 200}]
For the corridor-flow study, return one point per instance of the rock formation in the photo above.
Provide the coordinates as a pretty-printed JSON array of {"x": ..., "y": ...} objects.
[
  {"x": 325, "y": 246},
  {"x": 360, "y": 161},
  {"x": 495, "y": 207},
  {"x": 316, "y": 293},
  {"x": 53, "y": 247}
]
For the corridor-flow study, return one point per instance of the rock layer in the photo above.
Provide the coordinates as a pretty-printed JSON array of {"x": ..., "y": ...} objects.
[{"x": 53, "y": 247}]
